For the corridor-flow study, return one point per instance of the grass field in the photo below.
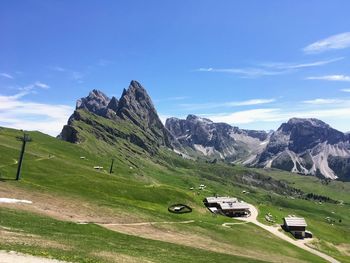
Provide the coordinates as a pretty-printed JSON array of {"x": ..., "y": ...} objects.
[{"x": 65, "y": 189}]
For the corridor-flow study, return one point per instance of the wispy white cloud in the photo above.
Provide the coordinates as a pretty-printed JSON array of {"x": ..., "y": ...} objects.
[
  {"x": 31, "y": 88},
  {"x": 178, "y": 98},
  {"x": 339, "y": 41},
  {"x": 59, "y": 69},
  {"x": 213, "y": 105},
  {"x": 6, "y": 75},
  {"x": 246, "y": 116},
  {"x": 345, "y": 90},
  {"x": 271, "y": 68},
  {"x": 244, "y": 72},
  {"x": 175, "y": 98},
  {"x": 249, "y": 102},
  {"x": 22, "y": 114},
  {"x": 320, "y": 101},
  {"x": 285, "y": 66},
  {"x": 41, "y": 85},
  {"x": 261, "y": 115},
  {"x": 72, "y": 74},
  {"x": 331, "y": 78}
]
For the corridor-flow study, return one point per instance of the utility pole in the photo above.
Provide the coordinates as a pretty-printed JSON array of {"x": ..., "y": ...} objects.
[
  {"x": 111, "y": 169},
  {"x": 24, "y": 140}
]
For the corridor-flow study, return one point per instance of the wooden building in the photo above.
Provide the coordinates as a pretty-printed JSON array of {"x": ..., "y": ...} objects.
[
  {"x": 235, "y": 209},
  {"x": 216, "y": 201},
  {"x": 295, "y": 225},
  {"x": 226, "y": 205}
]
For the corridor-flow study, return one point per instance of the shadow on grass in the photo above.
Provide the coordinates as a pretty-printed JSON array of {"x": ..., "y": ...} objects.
[{"x": 7, "y": 179}]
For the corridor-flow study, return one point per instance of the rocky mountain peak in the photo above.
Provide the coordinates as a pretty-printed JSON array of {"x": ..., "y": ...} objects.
[
  {"x": 308, "y": 122},
  {"x": 306, "y": 133},
  {"x": 307, "y": 146},
  {"x": 136, "y": 105},
  {"x": 96, "y": 102},
  {"x": 192, "y": 117},
  {"x": 113, "y": 104}
]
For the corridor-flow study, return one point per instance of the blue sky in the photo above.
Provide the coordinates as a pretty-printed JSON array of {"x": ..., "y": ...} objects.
[{"x": 253, "y": 64}]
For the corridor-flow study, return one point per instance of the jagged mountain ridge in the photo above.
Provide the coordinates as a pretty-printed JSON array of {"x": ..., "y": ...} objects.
[
  {"x": 306, "y": 146},
  {"x": 218, "y": 140},
  {"x": 134, "y": 108}
]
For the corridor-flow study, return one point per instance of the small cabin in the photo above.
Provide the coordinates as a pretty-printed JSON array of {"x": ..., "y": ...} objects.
[
  {"x": 229, "y": 206},
  {"x": 295, "y": 225},
  {"x": 216, "y": 201},
  {"x": 235, "y": 209}
]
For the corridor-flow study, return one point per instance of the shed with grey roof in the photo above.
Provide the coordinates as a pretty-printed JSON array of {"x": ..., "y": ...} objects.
[
  {"x": 235, "y": 209},
  {"x": 295, "y": 225},
  {"x": 226, "y": 205},
  {"x": 215, "y": 200}
]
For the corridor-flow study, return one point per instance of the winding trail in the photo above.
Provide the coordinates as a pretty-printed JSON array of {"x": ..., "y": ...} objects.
[
  {"x": 275, "y": 231},
  {"x": 251, "y": 219},
  {"x": 148, "y": 223}
]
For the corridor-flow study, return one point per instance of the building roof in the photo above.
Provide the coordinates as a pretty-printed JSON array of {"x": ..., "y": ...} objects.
[
  {"x": 234, "y": 206},
  {"x": 221, "y": 199},
  {"x": 294, "y": 221},
  {"x": 213, "y": 209}
]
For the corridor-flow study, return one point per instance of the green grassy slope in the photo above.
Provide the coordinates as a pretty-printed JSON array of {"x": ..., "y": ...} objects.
[
  {"x": 142, "y": 188},
  {"x": 89, "y": 243}
]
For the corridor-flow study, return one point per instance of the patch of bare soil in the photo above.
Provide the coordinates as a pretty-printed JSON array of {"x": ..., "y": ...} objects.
[
  {"x": 62, "y": 208},
  {"x": 13, "y": 237},
  {"x": 158, "y": 232},
  {"x": 344, "y": 248}
]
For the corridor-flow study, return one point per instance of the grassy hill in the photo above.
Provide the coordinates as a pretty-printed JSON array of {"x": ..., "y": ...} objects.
[{"x": 66, "y": 190}]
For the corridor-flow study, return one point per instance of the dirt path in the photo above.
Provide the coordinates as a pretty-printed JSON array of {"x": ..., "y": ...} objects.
[
  {"x": 14, "y": 257},
  {"x": 148, "y": 223},
  {"x": 275, "y": 231},
  {"x": 232, "y": 224}
]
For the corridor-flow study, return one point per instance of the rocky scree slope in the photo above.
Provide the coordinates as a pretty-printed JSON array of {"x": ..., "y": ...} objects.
[
  {"x": 305, "y": 146},
  {"x": 219, "y": 140},
  {"x": 308, "y": 146}
]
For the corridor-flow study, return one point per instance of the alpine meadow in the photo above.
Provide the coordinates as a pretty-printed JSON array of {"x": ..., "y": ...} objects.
[{"x": 155, "y": 131}]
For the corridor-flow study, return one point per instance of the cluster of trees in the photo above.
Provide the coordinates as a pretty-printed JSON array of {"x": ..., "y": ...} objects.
[{"x": 320, "y": 198}]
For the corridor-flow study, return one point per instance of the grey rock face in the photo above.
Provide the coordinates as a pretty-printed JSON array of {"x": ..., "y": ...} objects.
[
  {"x": 218, "y": 140},
  {"x": 307, "y": 146},
  {"x": 96, "y": 102},
  {"x": 307, "y": 133},
  {"x": 135, "y": 106}
]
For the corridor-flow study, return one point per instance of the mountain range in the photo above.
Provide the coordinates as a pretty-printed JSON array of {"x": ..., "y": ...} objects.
[{"x": 304, "y": 146}]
